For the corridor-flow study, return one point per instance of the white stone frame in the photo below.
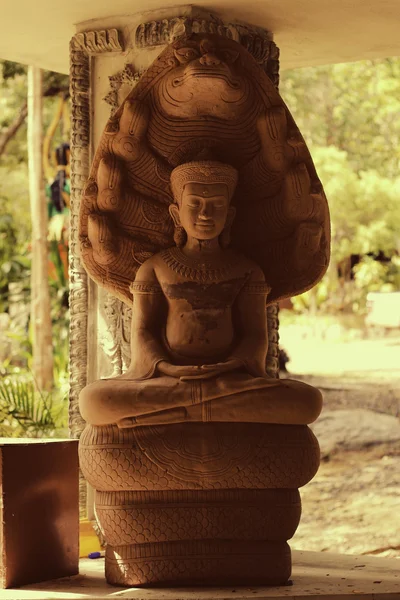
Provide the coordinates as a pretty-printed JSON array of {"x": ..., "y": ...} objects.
[{"x": 83, "y": 48}]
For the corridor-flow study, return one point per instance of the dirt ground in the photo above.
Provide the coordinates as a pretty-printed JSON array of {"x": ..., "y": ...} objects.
[{"x": 353, "y": 504}]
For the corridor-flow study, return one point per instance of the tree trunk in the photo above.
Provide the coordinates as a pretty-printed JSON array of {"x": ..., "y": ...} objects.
[
  {"x": 13, "y": 128},
  {"x": 40, "y": 294}
]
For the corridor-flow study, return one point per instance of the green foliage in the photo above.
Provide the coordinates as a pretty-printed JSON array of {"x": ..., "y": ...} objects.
[
  {"x": 374, "y": 276},
  {"x": 349, "y": 115},
  {"x": 19, "y": 350},
  {"x": 12, "y": 69},
  {"x": 364, "y": 207},
  {"x": 352, "y": 106},
  {"x": 14, "y": 266},
  {"x": 59, "y": 288},
  {"x": 25, "y": 411},
  {"x": 15, "y": 226},
  {"x": 15, "y": 219},
  {"x": 13, "y": 95},
  {"x": 54, "y": 83}
]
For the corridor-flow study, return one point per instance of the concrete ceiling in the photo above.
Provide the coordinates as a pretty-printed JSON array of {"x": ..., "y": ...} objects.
[{"x": 308, "y": 32}]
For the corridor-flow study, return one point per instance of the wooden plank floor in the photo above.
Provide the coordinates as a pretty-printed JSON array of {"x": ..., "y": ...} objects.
[{"x": 315, "y": 575}]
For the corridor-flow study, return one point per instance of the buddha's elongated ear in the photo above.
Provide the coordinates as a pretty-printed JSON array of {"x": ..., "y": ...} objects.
[
  {"x": 225, "y": 237},
  {"x": 231, "y": 216},
  {"x": 174, "y": 212}
]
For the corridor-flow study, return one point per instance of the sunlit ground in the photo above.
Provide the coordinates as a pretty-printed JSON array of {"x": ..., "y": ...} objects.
[
  {"x": 321, "y": 350},
  {"x": 353, "y": 503}
]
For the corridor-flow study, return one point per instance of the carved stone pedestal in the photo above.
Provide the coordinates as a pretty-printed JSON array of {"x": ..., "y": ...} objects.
[{"x": 199, "y": 503}]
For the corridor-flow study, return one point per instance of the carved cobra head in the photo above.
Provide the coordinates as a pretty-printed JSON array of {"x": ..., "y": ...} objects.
[{"x": 207, "y": 81}]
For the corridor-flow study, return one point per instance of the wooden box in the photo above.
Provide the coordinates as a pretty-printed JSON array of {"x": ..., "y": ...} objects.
[{"x": 39, "y": 510}]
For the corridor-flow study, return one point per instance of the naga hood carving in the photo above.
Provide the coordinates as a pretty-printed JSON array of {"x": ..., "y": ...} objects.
[{"x": 205, "y": 94}]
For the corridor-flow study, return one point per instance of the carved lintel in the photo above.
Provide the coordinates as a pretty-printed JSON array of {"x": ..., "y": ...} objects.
[
  {"x": 157, "y": 33},
  {"x": 257, "y": 41},
  {"x": 97, "y": 42},
  {"x": 82, "y": 46}
]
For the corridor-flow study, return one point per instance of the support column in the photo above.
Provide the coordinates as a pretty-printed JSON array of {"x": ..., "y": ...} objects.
[{"x": 40, "y": 301}]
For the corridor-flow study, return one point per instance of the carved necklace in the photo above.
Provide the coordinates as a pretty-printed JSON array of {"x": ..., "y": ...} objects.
[{"x": 197, "y": 270}]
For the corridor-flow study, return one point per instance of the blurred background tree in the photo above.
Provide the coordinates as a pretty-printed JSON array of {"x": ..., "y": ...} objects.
[
  {"x": 349, "y": 115},
  {"x": 31, "y": 411},
  {"x": 352, "y": 106}
]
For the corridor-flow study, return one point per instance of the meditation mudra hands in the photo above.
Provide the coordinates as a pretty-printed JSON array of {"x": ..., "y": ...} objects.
[{"x": 189, "y": 372}]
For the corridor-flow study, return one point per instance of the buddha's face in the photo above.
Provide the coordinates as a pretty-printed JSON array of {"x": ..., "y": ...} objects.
[{"x": 203, "y": 210}]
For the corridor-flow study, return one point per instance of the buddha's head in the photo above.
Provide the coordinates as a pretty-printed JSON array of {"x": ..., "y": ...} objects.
[{"x": 202, "y": 192}]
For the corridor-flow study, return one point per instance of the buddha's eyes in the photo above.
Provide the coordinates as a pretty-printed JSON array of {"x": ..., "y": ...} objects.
[
  {"x": 198, "y": 202},
  {"x": 194, "y": 204}
]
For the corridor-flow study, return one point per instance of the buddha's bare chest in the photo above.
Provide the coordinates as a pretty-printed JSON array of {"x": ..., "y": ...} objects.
[
  {"x": 203, "y": 296},
  {"x": 199, "y": 322}
]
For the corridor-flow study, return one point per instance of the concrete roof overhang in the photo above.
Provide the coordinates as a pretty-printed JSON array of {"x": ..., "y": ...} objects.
[{"x": 308, "y": 32}]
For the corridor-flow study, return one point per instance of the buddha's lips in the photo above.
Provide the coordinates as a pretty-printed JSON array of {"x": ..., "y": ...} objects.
[{"x": 205, "y": 224}]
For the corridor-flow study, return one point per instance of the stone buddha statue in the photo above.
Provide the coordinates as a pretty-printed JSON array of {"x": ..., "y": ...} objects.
[
  {"x": 195, "y": 452},
  {"x": 199, "y": 327}
]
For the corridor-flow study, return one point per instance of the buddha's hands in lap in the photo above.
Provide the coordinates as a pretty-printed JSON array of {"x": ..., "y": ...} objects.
[
  {"x": 178, "y": 371},
  {"x": 188, "y": 373},
  {"x": 212, "y": 370}
]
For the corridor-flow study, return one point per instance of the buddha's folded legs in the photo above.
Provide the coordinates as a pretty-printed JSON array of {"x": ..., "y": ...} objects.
[{"x": 236, "y": 397}]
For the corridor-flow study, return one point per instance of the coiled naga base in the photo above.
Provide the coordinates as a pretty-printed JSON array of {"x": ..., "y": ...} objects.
[{"x": 198, "y": 503}]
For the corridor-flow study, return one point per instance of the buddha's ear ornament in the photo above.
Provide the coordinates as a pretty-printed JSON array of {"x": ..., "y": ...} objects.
[
  {"x": 225, "y": 237},
  {"x": 180, "y": 236},
  {"x": 179, "y": 110}
]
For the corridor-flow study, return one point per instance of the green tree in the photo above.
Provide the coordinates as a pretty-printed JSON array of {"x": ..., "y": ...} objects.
[
  {"x": 349, "y": 115},
  {"x": 14, "y": 195},
  {"x": 352, "y": 106},
  {"x": 365, "y": 220},
  {"x": 15, "y": 219}
]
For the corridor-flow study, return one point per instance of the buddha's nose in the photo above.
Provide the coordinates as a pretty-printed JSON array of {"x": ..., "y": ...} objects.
[
  {"x": 210, "y": 60},
  {"x": 205, "y": 213}
]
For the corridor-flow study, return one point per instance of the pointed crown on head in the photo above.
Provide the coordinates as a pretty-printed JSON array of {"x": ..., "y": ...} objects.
[{"x": 203, "y": 171}]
